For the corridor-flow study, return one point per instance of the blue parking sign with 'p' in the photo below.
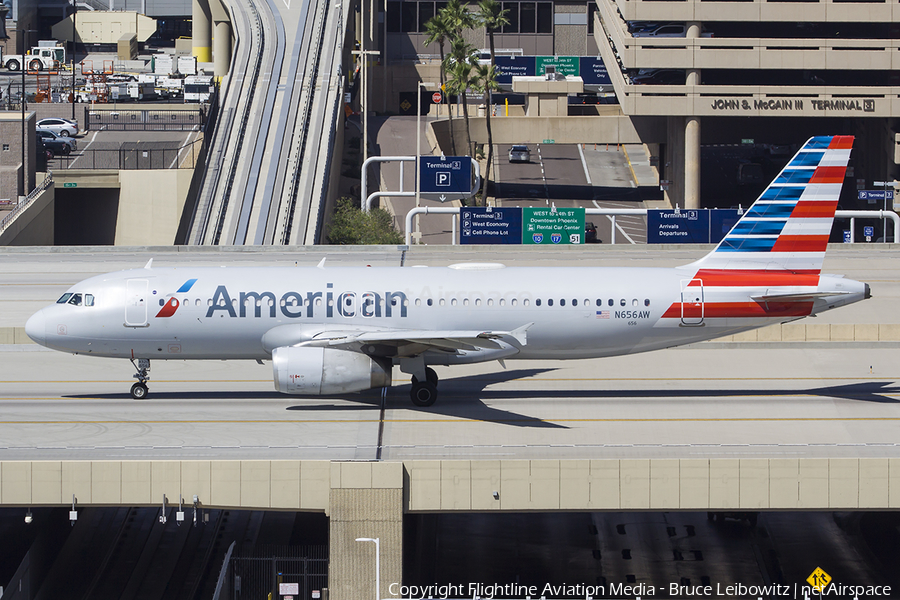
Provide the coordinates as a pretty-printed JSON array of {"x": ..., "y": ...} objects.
[{"x": 442, "y": 178}]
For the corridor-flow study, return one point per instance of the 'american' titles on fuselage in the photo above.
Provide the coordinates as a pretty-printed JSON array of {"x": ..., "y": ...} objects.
[{"x": 294, "y": 304}]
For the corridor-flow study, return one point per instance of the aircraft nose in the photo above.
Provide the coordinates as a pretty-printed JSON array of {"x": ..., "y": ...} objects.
[{"x": 36, "y": 327}]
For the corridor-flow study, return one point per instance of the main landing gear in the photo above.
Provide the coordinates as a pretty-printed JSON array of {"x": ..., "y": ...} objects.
[
  {"x": 139, "y": 390},
  {"x": 424, "y": 393}
]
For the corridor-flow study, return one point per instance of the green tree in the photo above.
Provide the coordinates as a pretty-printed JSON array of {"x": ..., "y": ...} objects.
[
  {"x": 458, "y": 17},
  {"x": 460, "y": 66},
  {"x": 439, "y": 31},
  {"x": 486, "y": 82},
  {"x": 352, "y": 226},
  {"x": 492, "y": 16}
]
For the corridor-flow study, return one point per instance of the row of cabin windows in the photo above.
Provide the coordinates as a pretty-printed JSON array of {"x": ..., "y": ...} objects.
[{"x": 574, "y": 302}]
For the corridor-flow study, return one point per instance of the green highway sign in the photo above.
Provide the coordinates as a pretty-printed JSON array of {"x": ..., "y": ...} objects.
[
  {"x": 567, "y": 65},
  {"x": 552, "y": 226}
]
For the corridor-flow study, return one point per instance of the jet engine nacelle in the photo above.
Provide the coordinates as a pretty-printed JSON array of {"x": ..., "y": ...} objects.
[{"x": 313, "y": 371}]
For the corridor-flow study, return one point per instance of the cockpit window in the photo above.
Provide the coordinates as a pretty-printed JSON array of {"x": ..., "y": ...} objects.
[
  {"x": 75, "y": 300},
  {"x": 64, "y": 298},
  {"x": 88, "y": 299}
]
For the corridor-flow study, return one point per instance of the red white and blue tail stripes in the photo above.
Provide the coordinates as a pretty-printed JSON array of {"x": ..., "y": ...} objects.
[
  {"x": 789, "y": 224},
  {"x": 768, "y": 266}
]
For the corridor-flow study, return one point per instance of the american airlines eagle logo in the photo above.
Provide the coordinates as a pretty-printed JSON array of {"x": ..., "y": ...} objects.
[{"x": 171, "y": 303}]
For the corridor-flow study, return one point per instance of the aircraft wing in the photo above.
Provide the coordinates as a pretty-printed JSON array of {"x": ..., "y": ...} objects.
[{"x": 401, "y": 342}]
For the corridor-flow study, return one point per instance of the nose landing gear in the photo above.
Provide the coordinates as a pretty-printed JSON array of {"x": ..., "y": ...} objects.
[{"x": 139, "y": 390}]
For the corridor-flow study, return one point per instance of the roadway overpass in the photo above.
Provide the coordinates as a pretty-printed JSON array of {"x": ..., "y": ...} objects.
[{"x": 272, "y": 155}]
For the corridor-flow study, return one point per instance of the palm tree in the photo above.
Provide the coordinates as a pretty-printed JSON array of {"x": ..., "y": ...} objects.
[
  {"x": 486, "y": 82},
  {"x": 460, "y": 67},
  {"x": 438, "y": 31},
  {"x": 492, "y": 15},
  {"x": 458, "y": 17}
]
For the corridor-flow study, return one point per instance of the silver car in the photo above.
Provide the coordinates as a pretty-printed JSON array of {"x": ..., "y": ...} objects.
[
  {"x": 519, "y": 153},
  {"x": 59, "y": 126}
]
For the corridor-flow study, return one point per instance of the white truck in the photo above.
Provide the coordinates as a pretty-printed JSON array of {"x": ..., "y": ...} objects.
[
  {"x": 198, "y": 88},
  {"x": 37, "y": 59}
]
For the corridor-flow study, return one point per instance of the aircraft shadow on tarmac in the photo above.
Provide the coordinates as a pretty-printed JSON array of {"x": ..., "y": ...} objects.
[
  {"x": 467, "y": 396},
  {"x": 869, "y": 391},
  {"x": 464, "y": 404}
]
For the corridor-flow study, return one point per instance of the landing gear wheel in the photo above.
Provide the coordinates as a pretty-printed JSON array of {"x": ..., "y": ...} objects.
[
  {"x": 423, "y": 393},
  {"x": 139, "y": 391},
  {"x": 430, "y": 376}
]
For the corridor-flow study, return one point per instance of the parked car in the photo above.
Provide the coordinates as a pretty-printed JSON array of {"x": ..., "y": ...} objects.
[
  {"x": 61, "y": 127},
  {"x": 659, "y": 77},
  {"x": 519, "y": 153},
  {"x": 590, "y": 233},
  {"x": 56, "y": 144},
  {"x": 666, "y": 30}
]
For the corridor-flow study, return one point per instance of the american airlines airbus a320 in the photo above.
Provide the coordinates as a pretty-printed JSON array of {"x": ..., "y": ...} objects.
[{"x": 338, "y": 330}]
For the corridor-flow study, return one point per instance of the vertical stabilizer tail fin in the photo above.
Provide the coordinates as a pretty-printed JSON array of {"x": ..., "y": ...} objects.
[{"x": 788, "y": 226}]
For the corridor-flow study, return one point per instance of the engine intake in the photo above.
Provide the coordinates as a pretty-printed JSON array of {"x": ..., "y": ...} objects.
[{"x": 314, "y": 371}]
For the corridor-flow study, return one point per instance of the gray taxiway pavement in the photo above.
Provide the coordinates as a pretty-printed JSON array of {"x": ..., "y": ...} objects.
[{"x": 740, "y": 400}]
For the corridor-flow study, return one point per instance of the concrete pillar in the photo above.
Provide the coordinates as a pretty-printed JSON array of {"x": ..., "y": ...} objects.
[
  {"x": 222, "y": 48},
  {"x": 366, "y": 502},
  {"x": 201, "y": 30},
  {"x": 692, "y": 162},
  {"x": 694, "y": 30},
  {"x": 674, "y": 167}
]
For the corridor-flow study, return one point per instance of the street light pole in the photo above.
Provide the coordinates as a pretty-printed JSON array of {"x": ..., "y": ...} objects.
[
  {"x": 24, "y": 35},
  {"x": 428, "y": 85},
  {"x": 377, "y": 565},
  {"x": 74, "y": 36},
  {"x": 364, "y": 99},
  {"x": 885, "y": 185},
  {"x": 24, "y": 190}
]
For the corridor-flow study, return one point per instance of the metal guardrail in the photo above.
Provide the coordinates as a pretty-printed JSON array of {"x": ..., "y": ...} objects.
[
  {"x": 130, "y": 159},
  {"x": 128, "y": 119},
  {"x": 21, "y": 206}
]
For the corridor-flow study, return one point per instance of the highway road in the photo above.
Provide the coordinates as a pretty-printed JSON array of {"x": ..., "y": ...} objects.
[
  {"x": 593, "y": 177},
  {"x": 271, "y": 150},
  {"x": 709, "y": 400}
]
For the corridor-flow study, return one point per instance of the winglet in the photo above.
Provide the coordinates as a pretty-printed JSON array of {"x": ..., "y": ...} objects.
[
  {"x": 149, "y": 264},
  {"x": 321, "y": 264},
  {"x": 519, "y": 333}
]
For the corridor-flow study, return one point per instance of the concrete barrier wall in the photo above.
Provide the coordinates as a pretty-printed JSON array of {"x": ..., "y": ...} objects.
[
  {"x": 281, "y": 485},
  {"x": 654, "y": 484},
  {"x": 347, "y": 490},
  {"x": 34, "y": 226}
]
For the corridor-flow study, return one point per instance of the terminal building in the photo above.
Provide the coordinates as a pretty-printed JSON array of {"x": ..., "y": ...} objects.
[{"x": 749, "y": 78}]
